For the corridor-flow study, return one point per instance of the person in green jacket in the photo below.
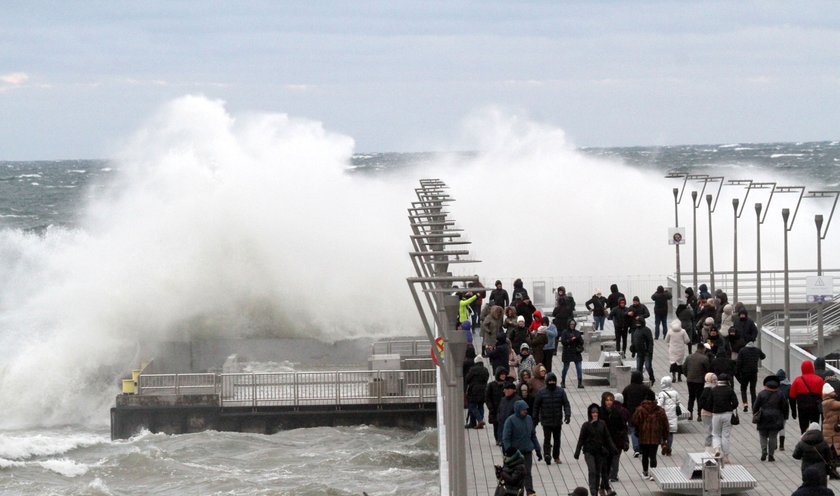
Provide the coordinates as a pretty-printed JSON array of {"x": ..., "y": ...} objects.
[{"x": 464, "y": 307}]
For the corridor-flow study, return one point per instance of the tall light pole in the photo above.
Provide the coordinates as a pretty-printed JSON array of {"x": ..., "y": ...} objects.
[
  {"x": 676, "y": 244},
  {"x": 785, "y": 216},
  {"x": 694, "y": 237},
  {"x": 818, "y": 221},
  {"x": 711, "y": 246},
  {"x": 758, "y": 221},
  {"x": 737, "y": 215},
  {"x": 678, "y": 194}
]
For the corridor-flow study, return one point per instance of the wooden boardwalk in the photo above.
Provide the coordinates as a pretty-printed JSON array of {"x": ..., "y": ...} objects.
[{"x": 779, "y": 478}]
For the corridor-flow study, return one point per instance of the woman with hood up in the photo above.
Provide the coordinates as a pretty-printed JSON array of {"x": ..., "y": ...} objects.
[
  {"x": 813, "y": 450},
  {"x": 491, "y": 326},
  {"x": 652, "y": 427},
  {"x": 727, "y": 320},
  {"x": 806, "y": 396},
  {"x": 539, "y": 339},
  {"x": 813, "y": 484},
  {"x": 598, "y": 448},
  {"x": 668, "y": 398},
  {"x": 518, "y": 432},
  {"x": 773, "y": 405},
  {"x": 615, "y": 416},
  {"x": 677, "y": 340}
]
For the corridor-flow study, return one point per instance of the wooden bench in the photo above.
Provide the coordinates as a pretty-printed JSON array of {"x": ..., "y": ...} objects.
[{"x": 688, "y": 479}]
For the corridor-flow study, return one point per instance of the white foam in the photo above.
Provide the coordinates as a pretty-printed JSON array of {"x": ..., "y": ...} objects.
[
  {"x": 64, "y": 466},
  {"x": 21, "y": 447}
]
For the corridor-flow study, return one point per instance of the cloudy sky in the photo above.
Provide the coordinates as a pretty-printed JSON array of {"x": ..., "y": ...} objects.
[{"x": 76, "y": 77}]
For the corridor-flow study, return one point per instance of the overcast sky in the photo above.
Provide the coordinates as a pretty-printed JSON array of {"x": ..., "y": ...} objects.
[{"x": 75, "y": 77}]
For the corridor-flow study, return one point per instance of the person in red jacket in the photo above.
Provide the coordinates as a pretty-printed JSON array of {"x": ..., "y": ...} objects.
[{"x": 806, "y": 396}]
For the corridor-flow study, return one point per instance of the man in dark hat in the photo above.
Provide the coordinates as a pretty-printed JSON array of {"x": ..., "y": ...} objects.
[{"x": 745, "y": 326}]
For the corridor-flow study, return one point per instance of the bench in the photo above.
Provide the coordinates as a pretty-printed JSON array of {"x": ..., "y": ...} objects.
[
  {"x": 601, "y": 368},
  {"x": 688, "y": 479}
]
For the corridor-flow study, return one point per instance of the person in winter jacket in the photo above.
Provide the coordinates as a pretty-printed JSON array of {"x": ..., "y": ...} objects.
[
  {"x": 598, "y": 306},
  {"x": 621, "y": 324},
  {"x": 813, "y": 484},
  {"x": 640, "y": 309},
  {"x": 519, "y": 433},
  {"x": 660, "y": 310},
  {"x": 536, "y": 321},
  {"x": 519, "y": 292},
  {"x": 499, "y": 296},
  {"x": 539, "y": 339},
  {"x": 746, "y": 369},
  {"x": 706, "y": 407},
  {"x": 491, "y": 327},
  {"x": 526, "y": 361},
  {"x": 746, "y": 327},
  {"x": 551, "y": 409},
  {"x": 727, "y": 320},
  {"x": 598, "y": 448},
  {"x": 616, "y": 417},
  {"x": 668, "y": 398},
  {"x": 708, "y": 311},
  {"x": 634, "y": 394},
  {"x": 696, "y": 366},
  {"x": 652, "y": 427},
  {"x": 734, "y": 341},
  {"x": 819, "y": 367},
  {"x": 784, "y": 388},
  {"x": 538, "y": 381},
  {"x": 493, "y": 395},
  {"x": 525, "y": 309},
  {"x": 676, "y": 339},
  {"x": 550, "y": 347},
  {"x": 686, "y": 315},
  {"x": 498, "y": 353},
  {"x": 572, "y": 341},
  {"x": 806, "y": 396},
  {"x": 813, "y": 450},
  {"x": 464, "y": 309},
  {"x": 691, "y": 299},
  {"x": 720, "y": 345},
  {"x": 724, "y": 402},
  {"x": 643, "y": 347},
  {"x": 509, "y": 323},
  {"x": 505, "y": 409},
  {"x": 773, "y": 406},
  {"x": 527, "y": 395},
  {"x": 476, "y": 383},
  {"x": 519, "y": 334},
  {"x": 564, "y": 309},
  {"x": 703, "y": 292},
  {"x": 614, "y": 297},
  {"x": 831, "y": 422},
  {"x": 511, "y": 475}
]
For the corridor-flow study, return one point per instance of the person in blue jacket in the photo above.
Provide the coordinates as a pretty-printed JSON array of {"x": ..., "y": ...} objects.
[{"x": 519, "y": 433}]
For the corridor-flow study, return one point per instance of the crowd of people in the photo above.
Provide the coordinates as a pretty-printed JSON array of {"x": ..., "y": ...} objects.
[{"x": 711, "y": 344}]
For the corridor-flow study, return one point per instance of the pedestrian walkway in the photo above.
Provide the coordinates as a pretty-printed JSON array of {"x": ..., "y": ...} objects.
[{"x": 780, "y": 478}]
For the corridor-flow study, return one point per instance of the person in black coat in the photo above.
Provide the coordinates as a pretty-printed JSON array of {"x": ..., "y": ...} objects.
[
  {"x": 476, "y": 384},
  {"x": 505, "y": 408},
  {"x": 813, "y": 450},
  {"x": 499, "y": 353},
  {"x": 598, "y": 306},
  {"x": 614, "y": 297},
  {"x": 615, "y": 416},
  {"x": 572, "y": 341},
  {"x": 564, "y": 309},
  {"x": 511, "y": 475},
  {"x": 813, "y": 484},
  {"x": 643, "y": 347},
  {"x": 746, "y": 369},
  {"x": 493, "y": 396},
  {"x": 774, "y": 411},
  {"x": 598, "y": 449},
  {"x": 660, "y": 310},
  {"x": 499, "y": 296},
  {"x": 621, "y": 324},
  {"x": 746, "y": 327},
  {"x": 634, "y": 394},
  {"x": 551, "y": 409}
]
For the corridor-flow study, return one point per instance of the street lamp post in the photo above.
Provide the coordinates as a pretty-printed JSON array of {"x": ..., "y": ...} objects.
[
  {"x": 735, "y": 203},
  {"x": 818, "y": 221},
  {"x": 711, "y": 246},
  {"x": 676, "y": 244},
  {"x": 785, "y": 216},
  {"x": 694, "y": 236},
  {"x": 758, "y": 272}
]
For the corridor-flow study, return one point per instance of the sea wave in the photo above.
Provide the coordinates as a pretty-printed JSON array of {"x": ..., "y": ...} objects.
[{"x": 25, "y": 446}]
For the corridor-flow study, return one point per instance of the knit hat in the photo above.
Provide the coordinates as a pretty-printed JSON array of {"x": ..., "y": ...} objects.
[
  {"x": 619, "y": 397},
  {"x": 520, "y": 319},
  {"x": 828, "y": 390},
  {"x": 666, "y": 381},
  {"x": 709, "y": 321},
  {"x": 676, "y": 326},
  {"x": 524, "y": 347},
  {"x": 478, "y": 359},
  {"x": 813, "y": 426},
  {"x": 710, "y": 378}
]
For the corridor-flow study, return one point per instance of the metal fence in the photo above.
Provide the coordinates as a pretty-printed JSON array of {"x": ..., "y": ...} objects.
[
  {"x": 334, "y": 388},
  {"x": 403, "y": 347}
]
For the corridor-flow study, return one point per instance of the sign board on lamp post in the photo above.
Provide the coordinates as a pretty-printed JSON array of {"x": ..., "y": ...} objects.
[
  {"x": 819, "y": 289},
  {"x": 676, "y": 236}
]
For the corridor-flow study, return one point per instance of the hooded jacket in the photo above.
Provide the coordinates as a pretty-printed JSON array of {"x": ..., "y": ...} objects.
[
  {"x": 619, "y": 318},
  {"x": 572, "y": 341},
  {"x": 685, "y": 313},
  {"x": 676, "y": 339},
  {"x": 551, "y": 405},
  {"x": 806, "y": 390},
  {"x": 651, "y": 423},
  {"x": 636, "y": 392},
  {"x": 668, "y": 398},
  {"x": 660, "y": 302},
  {"x": 476, "y": 382},
  {"x": 746, "y": 327},
  {"x": 616, "y": 419},
  {"x": 615, "y": 295},
  {"x": 831, "y": 417},
  {"x": 513, "y": 471},
  {"x": 506, "y": 407},
  {"x": 726, "y": 317},
  {"x": 551, "y": 338},
  {"x": 491, "y": 325},
  {"x": 642, "y": 340},
  {"x": 594, "y": 438},
  {"x": 493, "y": 393},
  {"x": 813, "y": 484},
  {"x": 747, "y": 363},
  {"x": 498, "y": 355},
  {"x": 812, "y": 450},
  {"x": 518, "y": 430}
]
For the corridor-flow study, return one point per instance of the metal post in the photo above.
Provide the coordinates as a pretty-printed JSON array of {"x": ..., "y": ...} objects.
[
  {"x": 818, "y": 220},
  {"x": 735, "y": 202},
  {"x": 694, "y": 237},
  {"x": 785, "y": 215},
  {"x": 677, "y": 245},
  {"x": 711, "y": 247},
  {"x": 758, "y": 272}
]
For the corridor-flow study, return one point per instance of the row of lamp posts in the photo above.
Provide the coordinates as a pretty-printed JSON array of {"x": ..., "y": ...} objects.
[{"x": 761, "y": 215}]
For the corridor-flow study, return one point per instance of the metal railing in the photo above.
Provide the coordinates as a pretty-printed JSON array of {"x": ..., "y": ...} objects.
[
  {"x": 772, "y": 284},
  {"x": 333, "y": 388},
  {"x": 404, "y": 347},
  {"x": 804, "y": 323},
  {"x": 773, "y": 346}
]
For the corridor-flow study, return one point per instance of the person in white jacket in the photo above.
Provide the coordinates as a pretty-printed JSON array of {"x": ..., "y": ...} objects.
[
  {"x": 668, "y": 398},
  {"x": 677, "y": 340}
]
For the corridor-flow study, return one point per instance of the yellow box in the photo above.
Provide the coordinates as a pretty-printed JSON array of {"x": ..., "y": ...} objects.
[{"x": 129, "y": 386}]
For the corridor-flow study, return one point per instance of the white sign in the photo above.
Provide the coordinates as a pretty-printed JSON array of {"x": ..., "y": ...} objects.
[
  {"x": 676, "y": 235},
  {"x": 819, "y": 288}
]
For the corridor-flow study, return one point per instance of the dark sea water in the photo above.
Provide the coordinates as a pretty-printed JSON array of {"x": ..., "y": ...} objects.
[{"x": 38, "y": 196}]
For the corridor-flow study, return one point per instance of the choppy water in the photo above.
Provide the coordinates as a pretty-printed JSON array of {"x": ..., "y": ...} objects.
[{"x": 81, "y": 460}]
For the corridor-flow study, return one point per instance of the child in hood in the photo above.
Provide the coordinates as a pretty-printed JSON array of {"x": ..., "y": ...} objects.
[{"x": 813, "y": 450}]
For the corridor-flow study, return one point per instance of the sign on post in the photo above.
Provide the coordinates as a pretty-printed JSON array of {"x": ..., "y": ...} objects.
[
  {"x": 819, "y": 289},
  {"x": 676, "y": 235}
]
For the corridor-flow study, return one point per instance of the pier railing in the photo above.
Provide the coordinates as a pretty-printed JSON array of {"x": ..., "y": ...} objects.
[{"x": 299, "y": 388}]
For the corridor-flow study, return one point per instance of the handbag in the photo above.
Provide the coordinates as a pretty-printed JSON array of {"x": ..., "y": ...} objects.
[
  {"x": 756, "y": 416},
  {"x": 837, "y": 426},
  {"x": 735, "y": 420},
  {"x": 678, "y": 409}
]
